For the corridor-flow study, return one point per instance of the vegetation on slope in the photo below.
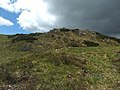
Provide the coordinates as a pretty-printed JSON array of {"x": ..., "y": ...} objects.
[{"x": 59, "y": 60}]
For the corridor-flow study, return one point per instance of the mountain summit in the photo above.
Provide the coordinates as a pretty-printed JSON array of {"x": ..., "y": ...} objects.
[{"x": 63, "y": 37}]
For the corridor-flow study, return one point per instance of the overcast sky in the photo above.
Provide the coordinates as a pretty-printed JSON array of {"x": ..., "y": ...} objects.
[{"x": 42, "y": 15}]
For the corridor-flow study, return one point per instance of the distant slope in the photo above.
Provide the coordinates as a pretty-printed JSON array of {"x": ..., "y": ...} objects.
[
  {"x": 62, "y": 59},
  {"x": 59, "y": 38}
]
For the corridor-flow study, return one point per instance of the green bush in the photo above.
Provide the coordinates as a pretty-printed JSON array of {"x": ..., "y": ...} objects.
[
  {"x": 35, "y": 34},
  {"x": 23, "y": 38},
  {"x": 64, "y": 29},
  {"x": 90, "y": 43}
]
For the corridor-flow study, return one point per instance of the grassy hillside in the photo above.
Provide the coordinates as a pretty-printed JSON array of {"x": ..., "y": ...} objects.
[{"x": 59, "y": 60}]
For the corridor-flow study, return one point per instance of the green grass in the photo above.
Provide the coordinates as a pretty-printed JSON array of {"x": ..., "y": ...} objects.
[
  {"x": 51, "y": 65},
  {"x": 63, "y": 70},
  {"x": 102, "y": 73}
]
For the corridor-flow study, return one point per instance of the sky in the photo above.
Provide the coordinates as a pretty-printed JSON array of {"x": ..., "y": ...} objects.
[{"x": 28, "y": 16}]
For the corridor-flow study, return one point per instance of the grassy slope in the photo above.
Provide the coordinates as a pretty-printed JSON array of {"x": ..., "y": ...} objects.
[{"x": 75, "y": 68}]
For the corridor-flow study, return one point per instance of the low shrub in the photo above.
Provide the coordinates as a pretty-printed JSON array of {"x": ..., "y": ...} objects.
[
  {"x": 35, "y": 34},
  {"x": 23, "y": 38},
  {"x": 90, "y": 43},
  {"x": 64, "y": 29}
]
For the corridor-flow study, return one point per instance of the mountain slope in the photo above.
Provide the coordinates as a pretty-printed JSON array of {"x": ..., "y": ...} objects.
[{"x": 62, "y": 59}]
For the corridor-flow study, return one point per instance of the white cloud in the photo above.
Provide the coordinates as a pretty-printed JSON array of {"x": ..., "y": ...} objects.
[
  {"x": 34, "y": 15},
  {"x": 7, "y": 5},
  {"x": 5, "y": 22}
]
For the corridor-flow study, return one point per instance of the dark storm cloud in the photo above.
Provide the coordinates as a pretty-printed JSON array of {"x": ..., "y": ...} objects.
[{"x": 99, "y": 15}]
